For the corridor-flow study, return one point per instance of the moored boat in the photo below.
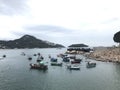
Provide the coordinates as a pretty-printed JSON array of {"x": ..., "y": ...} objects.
[
  {"x": 79, "y": 59},
  {"x": 40, "y": 58},
  {"x": 75, "y": 62},
  {"x": 53, "y": 59},
  {"x": 56, "y": 64},
  {"x": 73, "y": 67},
  {"x": 90, "y": 64},
  {"x": 39, "y": 66},
  {"x": 29, "y": 58},
  {"x": 66, "y": 59}
]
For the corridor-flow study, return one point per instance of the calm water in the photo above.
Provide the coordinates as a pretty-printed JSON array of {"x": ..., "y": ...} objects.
[{"x": 15, "y": 73}]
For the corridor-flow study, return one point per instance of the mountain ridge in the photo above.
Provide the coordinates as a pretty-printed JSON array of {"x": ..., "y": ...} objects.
[{"x": 28, "y": 41}]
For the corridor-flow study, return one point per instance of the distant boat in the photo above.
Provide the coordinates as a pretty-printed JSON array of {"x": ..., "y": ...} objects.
[
  {"x": 40, "y": 58},
  {"x": 29, "y": 58},
  {"x": 53, "y": 59},
  {"x": 39, "y": 66},
  {"x": 35, "y": 55},
  {"x": 66, "y": 59},
  {"x": 90, "y": 64},
  {"x": 72, "y": 57},
  {"x": 73, "y": 67},
  {"x": 62, "y": 55},
  {"x": 56, "y": 64},
  {"x": 79, "y": 59},
  {"x": 75, "y": 62}
]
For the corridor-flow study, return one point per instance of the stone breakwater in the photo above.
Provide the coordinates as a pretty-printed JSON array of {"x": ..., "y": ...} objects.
[{"x": 106, "y": 55}]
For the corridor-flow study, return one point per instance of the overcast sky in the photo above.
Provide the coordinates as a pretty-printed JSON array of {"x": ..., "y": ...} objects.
[{"x": 92, "y": 22}]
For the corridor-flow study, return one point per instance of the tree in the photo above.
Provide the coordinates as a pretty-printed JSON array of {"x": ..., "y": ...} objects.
[{"x": 116, "y": 37}]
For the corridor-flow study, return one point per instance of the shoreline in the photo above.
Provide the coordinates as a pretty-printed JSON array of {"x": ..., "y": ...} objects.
[{"x": 105, "y": 54}]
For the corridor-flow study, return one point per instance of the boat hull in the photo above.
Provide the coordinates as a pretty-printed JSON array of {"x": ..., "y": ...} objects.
[
  {"x": 91, "y": 65},
  {"x": 39, "y": 67},
  {"x": 73, "y": 67},
  {"x": 56, "y": 64}
]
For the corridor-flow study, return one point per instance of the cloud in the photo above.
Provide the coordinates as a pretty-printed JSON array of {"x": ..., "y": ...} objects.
[
  {"x": 11, "y": 7},
  {"x": 66, "y": 36},
  {"x": 64, "y": 21},
  {"x": 112, "y": 20},
  {"x": 47, "y": 28}
]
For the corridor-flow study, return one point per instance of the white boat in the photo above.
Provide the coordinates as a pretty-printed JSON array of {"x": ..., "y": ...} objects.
[
  {"x": 90, "y": 64},
  {"x": 73, "y": 67}
]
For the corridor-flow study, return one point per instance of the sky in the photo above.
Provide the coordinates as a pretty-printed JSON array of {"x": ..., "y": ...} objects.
[{"x": 66, "y": 22}]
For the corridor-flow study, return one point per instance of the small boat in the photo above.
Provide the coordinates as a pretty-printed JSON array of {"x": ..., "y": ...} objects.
[
  {"x": 62, "y": 55},
  {"x": 78, "y": 59},
  {"x": 66, "y": 59},
  {"x": 73, "y": 67},
  {"x": 39, "y": 66},
  {"x": 35, "y": 55},
  {"x": 29, "y": 58},
  {"x": 56, "y": 64},
  {"x": 75, "y": 62},
  {"x": 72, "y": 57},
  {"x": 53, "y": 59},
  {"x": 90, "y": 64},
  {"x": 39, "y": 54},
  {"x": 40, "y": 58},
  {"x": 49, "y": 56}
]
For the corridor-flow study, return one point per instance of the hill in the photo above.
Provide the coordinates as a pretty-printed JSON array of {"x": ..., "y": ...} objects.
[{"x": 28, "y": 41}]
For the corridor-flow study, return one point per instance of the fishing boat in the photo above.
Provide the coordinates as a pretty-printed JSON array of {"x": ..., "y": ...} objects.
[
  {"x": 56, "y": 64},
  {"x": 29, "y": 58},
  {"x": 40, "y": 58},
  {"x": 39, "y": 66},
  {"x": 72, "y": 57},
  {"x": 53, "y": 59},
  {"x": 73, "y": 67},
  {"x": 66, "y": 59},
  {"x": 62, "y": 55},
  {"x": 90, "y": 64},
  {"x": 79, "y": 59},
  {"x": 35, "y": 55},
  {"x": 75, "y": 62}
]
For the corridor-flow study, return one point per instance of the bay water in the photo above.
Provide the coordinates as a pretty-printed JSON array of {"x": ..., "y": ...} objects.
[{"x": 15, "y": 73}]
